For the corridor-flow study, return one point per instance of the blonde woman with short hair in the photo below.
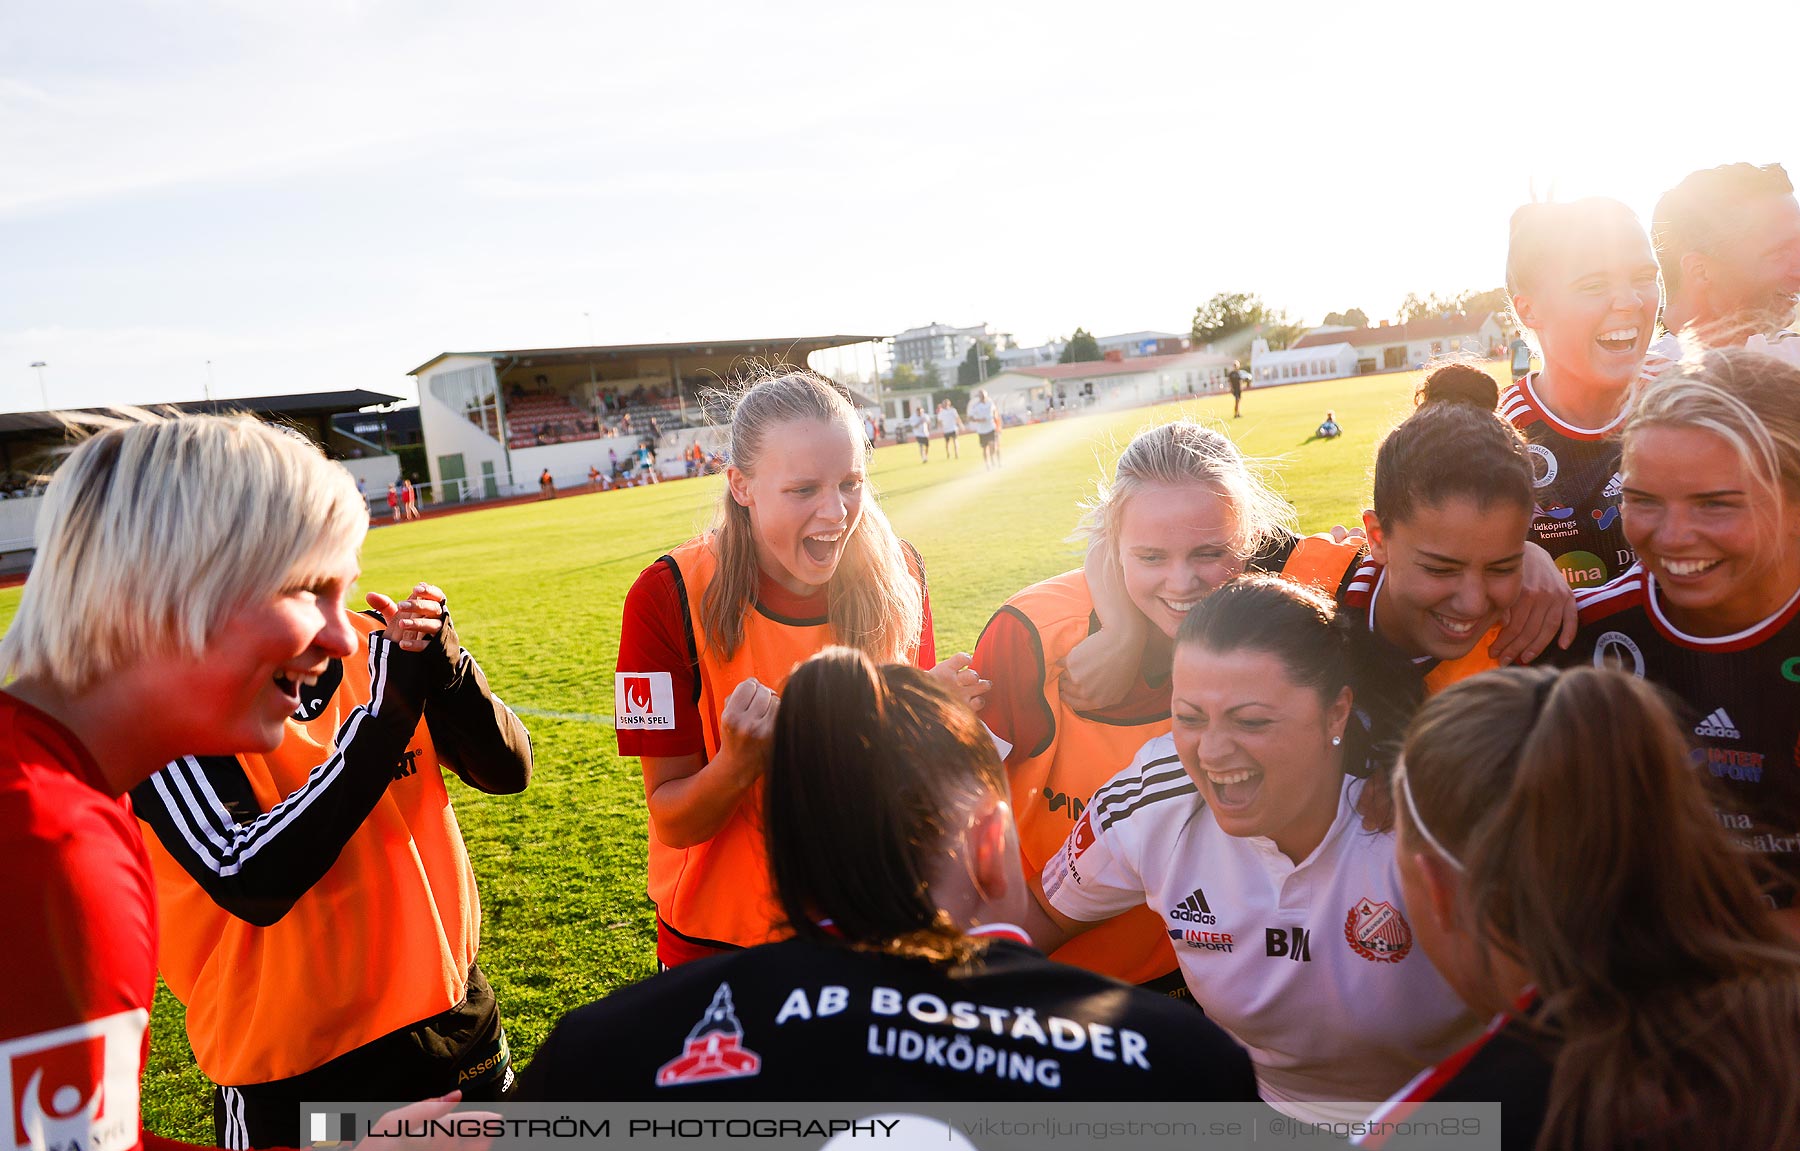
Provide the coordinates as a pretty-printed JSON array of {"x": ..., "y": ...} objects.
[
  {"x": 799, "y": 558},
  {"x": 190, "y": 576}
]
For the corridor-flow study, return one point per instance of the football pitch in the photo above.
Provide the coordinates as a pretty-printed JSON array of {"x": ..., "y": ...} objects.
[{"x": 536, "y": 592}]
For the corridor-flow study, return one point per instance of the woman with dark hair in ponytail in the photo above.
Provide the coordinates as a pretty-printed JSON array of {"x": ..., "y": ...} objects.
[
  {"x": 1447, "y": 552},
  {"x": 1567, "y": 875},
  {"x": 1249, "y": 830},
  {"x": 896, "y": 862}
]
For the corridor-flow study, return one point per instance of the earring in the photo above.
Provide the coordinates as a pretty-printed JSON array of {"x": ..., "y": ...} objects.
[{"x": 1336, "y": 740}]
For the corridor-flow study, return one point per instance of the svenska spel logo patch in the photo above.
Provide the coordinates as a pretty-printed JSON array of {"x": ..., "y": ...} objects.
[
  {"x": 643, "y": 701},
  {"x": 1083, "y": 835},
  {"x": 74, "y": 1087}
]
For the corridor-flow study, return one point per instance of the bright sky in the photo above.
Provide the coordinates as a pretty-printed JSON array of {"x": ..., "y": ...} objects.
[{"x": 324, "y": 195}]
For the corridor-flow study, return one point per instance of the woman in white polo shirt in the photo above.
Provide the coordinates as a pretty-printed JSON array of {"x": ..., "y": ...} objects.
[{"x": 1246, "y": 832}]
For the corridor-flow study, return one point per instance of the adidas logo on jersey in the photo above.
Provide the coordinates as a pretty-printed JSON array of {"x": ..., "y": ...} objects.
[
  {"x": 1613, "y": 486},
  {"x": 1194, "y": 909},
  {"x": 1719, "y": 726}
]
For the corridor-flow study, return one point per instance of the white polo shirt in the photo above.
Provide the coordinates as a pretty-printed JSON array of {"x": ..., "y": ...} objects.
[
  {"x": 1312, "y": 966},
  {"x": 981, "y": 416},
  {"x": 948, "y": 421}
]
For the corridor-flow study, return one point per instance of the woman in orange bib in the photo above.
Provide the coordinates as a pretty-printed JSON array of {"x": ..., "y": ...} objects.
[{"x": 798, "y": 559}]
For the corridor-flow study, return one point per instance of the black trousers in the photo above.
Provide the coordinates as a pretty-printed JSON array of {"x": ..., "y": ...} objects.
[{"x": 464, "y": 1047}]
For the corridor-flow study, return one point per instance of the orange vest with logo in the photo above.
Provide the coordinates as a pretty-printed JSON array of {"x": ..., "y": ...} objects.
[
  {"x": 719, "y": 892},
  {"x": 1050, "y": 790},
  {"x": 383, "y": 941}
]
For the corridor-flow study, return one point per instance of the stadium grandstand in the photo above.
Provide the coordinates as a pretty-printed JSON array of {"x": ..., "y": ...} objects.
[
  {"x": 32, "y": 443},
  {"x": 495, "y": 421}
]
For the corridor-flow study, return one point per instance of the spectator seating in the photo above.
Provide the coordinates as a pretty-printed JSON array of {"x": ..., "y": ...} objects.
[{"x": 562, "y": 421}]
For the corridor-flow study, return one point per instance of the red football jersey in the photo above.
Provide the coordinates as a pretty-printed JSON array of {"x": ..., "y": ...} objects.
[{"x": 79, "y": 966}]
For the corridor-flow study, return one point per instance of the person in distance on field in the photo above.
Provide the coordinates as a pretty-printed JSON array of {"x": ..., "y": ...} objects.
[
  {"x": 984, "y": 421},
  {"x": 896, "y": 863},
  {"x": 1567, "y": 875},
  {"x": 1519, "y": 354},
  {"x": 800, "y": 557},
  {"x": 949, "y": 423}
]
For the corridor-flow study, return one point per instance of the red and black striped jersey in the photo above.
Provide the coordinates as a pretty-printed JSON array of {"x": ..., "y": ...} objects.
[
  {"x": 1742, "y": 697},
  {"x": 1389, "y": 684},
  {"x": 1576, "y": 483},
  {"x": 1508, "y": 1065}
]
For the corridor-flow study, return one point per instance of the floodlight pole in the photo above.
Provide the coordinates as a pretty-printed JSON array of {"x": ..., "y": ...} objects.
[{"x": 42, "y": 391}]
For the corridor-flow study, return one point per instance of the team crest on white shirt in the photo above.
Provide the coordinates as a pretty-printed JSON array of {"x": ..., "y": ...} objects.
[{"x": 1378, "y": 932}]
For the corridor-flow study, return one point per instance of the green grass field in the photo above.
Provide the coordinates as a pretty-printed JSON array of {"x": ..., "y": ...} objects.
[{"x": 537, "y": 590}]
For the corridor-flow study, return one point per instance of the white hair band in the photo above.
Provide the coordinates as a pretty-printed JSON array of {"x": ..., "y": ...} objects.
[{"x": 1412, "y": 811}]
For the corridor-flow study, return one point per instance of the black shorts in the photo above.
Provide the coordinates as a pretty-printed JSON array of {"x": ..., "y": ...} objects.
[
  {"x": 464, "y": 1047},
  {"x": 949, "y": 437},
  {"x": 986, "y": 438},
  {"x": 926, "y": 440}
]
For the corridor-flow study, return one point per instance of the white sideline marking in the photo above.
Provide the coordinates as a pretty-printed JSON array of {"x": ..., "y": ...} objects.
[{"x": 578, "y": 716}]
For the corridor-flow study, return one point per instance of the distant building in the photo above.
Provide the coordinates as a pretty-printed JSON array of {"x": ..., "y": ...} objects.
[
  {"x": 1039, "y": 356},
  {"x": 32, "y": 444},
  {"x": 493, "y": 421},
  {"x": 1132, "y": 345},
  {"x": 1385, "y": 347},
  {"x": 942, "y": 347},
  {"x": 398, "y": 428},
  {"x": 1117, "y": 381},
  {"x": 1314, "y": 362}
]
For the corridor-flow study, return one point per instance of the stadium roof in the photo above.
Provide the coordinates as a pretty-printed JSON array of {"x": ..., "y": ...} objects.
[
  {"x": 300, "y": 404},
  {"x": 783, "y": 347},
  {"x": 1424, "y": 328}
]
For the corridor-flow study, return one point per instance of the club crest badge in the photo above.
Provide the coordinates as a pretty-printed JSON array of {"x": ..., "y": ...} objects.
[
  {"x": 1378, "y": 932},
  {"x": 714, "y": 1048}
]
